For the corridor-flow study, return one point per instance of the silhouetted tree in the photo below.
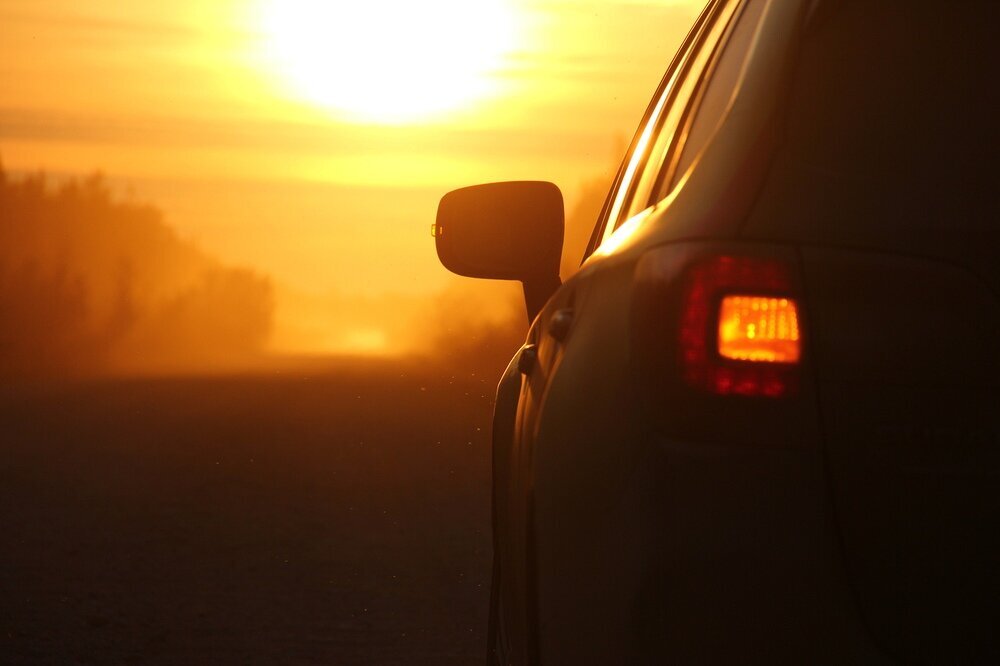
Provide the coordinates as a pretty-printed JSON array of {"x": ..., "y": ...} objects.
[{"x": 89, "y": 283}]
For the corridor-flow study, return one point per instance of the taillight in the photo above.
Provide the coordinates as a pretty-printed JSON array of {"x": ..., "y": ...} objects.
[
  {"x": 739, "y": 327},
  {"x": 718, "y": 344}
]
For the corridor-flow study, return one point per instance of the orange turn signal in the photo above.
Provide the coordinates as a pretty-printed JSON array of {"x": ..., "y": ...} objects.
[{"x": 760, "y": 329}]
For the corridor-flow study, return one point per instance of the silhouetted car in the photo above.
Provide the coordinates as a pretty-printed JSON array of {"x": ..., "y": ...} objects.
[{"x": 760, "y": 424}]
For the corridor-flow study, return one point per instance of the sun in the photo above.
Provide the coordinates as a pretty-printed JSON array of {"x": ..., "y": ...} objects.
[{"x": 388, "y": 61}]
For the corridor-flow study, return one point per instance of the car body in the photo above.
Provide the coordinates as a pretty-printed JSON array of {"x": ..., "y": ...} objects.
[{"x": 658, "y": 498}]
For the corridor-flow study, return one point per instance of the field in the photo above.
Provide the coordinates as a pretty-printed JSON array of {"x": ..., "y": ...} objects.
[{"x": 336, "y": 515}]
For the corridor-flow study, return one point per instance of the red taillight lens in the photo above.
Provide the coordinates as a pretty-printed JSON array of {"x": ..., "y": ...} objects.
[
  {"x": 718, "y": 344},
  {"x": 739, "y": 327}
]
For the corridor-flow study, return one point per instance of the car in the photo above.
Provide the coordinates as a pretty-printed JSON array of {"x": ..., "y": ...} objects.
[{"x": 760, "y": 423}]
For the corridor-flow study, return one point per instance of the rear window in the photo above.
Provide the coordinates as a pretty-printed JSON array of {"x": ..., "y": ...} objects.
[{"x": 889, "y": 136}]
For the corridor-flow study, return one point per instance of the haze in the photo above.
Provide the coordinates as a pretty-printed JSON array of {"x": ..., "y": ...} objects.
[{"x": 311, "y": 143}]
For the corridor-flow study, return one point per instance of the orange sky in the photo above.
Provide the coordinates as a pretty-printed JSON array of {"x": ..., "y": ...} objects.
[{"x": 246, "y": 151}]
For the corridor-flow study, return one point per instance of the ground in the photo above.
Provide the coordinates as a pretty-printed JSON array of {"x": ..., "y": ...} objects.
[{"x": 334, "y": 516}]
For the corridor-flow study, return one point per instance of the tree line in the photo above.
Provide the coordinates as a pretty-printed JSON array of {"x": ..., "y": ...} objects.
[{"x": 92, "y": 283}]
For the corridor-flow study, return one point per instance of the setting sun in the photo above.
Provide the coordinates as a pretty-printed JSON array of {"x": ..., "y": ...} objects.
[{"x": 388, "y": 61}]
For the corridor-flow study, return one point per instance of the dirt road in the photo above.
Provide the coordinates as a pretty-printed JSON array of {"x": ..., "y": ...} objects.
[{"x": 337, "y": 517}]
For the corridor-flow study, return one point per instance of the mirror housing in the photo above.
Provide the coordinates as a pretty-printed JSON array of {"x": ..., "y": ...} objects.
[{"x": 504, "y": 231}]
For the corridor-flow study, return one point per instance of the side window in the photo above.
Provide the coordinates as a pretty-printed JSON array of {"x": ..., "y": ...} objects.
[
  {"x": 625, "y": 187},
  {"x": 669, "y": 134},
  {"x": 712, "y": 101},
  {"x": 689, "y": 110}
]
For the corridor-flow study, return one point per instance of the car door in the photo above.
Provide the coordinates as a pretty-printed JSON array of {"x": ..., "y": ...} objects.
[
  {"x": 521, "y": 392},
  {"x": 530, "y": 374}
]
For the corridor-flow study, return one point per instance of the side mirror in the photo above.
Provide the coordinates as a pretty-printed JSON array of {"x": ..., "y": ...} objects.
[{"x": 504, "y": 231}]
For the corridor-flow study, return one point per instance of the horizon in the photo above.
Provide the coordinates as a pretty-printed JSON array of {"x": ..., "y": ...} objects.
[{"x": 188, "y": 108}]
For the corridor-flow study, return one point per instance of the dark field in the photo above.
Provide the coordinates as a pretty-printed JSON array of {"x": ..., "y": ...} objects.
[{"x": 337, "y": 516}]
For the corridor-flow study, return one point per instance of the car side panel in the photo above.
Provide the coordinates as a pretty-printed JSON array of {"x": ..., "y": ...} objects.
[
  {"x": 652, "y": 549},
  {"x": 909, "y": 385}
]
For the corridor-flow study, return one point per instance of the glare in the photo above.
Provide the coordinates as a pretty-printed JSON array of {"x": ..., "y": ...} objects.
[
  {"x": 760, "y": 329},
  {"x": 365, "y": 341},
  {"x": 388, "y": 61}
]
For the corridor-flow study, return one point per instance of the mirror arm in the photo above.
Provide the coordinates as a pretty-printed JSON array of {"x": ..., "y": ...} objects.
[{"x": 537, "y": 292}]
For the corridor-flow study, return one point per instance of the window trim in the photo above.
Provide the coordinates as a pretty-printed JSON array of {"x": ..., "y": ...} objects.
[
  {"x": 678, "y": 137},
  {"x": 680, "y": 65},
  {"x": 679, "y": 60},
  {"x": 666, "y": 178}
]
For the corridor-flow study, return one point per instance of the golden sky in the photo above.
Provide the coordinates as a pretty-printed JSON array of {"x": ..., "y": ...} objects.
[{"x": 312, "y": 140}]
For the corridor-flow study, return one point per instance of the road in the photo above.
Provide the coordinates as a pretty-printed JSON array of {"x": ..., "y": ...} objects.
[{"x": 337, "y": 516}]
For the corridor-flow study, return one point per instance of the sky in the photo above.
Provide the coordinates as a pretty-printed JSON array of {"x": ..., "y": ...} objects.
[{"x": 312, "y": 140}]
